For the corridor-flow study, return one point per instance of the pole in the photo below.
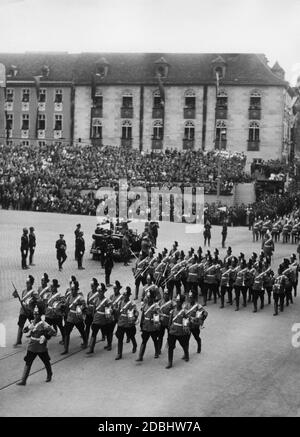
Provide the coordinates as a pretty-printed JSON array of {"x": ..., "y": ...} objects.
[{"x": 219, "y": 177}]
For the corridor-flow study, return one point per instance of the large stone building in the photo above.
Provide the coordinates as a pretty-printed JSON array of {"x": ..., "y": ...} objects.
[{"x": 150, "y": 101}]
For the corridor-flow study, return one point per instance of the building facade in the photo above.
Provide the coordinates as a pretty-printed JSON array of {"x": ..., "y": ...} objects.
[{"x": 151, "y": 102}]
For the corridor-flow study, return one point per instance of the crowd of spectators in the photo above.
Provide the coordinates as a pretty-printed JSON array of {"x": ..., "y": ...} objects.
[{"x": 63, "y": 177}]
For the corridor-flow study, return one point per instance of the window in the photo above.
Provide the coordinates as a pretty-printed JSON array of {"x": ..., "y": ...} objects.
[
  {"x": 58, "y": 96},
  {"x": 42, "y": 95},
  {"x": 222, "y": 100},
  {"x": 127, "y": 100},
  {"x": 98, "y": 98},
  {"x": 254, "y": 131},
  {"x": 58, "y": 122},
  {"x": 25, "y": 95},
  {"x": 42, "y": 143},
  {"x": 126, "y": 130},
  {"x": 9, "y": 142},
  {"x": 190, "y": 99},
  {"x": 96, "y": 128},
  {"x": 255, "y": 100},
  {"x": 158, "y": 130},
  {"x": 9, "y": 95},
  {"x": 157, "y": 100},
  {"x": 25, "y": 122},
  {"x": 221, "y": 132},
  {"x": 9, "y": 121},
  {"x": 189, "y": 130},
  {"x": 41, "y": 122},
  {"x": 25, "y": 143}
]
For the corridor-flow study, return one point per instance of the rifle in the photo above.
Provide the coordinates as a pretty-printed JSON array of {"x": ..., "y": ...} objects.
[{"x": 16, "y": 294}]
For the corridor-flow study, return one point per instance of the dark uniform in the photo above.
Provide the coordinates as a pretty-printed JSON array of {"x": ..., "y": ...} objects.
[
  {"x": 76, "y": 233},
  {"x": 31, "y": 245},
  {"x": 61, "y": 247},
  {"x": 150, "y": 324},
  {"x": 24, "y": 248},
  {"x": 279, "y": 292},
  {"x": 224, "y": 234},
  {"x": 196, "y": 314},
  {"x": 166, "y": 306},
  {"x": 55, "y": 306},
  {"x": 90, "y": 307},
  {"x": 80, "y": 249},
  {"x": 108, "y": 265},
  {"x": 40, "y": 332}
]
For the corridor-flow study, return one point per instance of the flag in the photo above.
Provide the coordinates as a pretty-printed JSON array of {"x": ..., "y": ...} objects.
[
  {"x": 37, "y": 81},
  {"x": 161, "y": 89}
]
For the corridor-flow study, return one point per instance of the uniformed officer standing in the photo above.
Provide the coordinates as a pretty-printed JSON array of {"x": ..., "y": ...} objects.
[
  {"x": 40, "y": 332},
  {"x": 61, "y": 247},
  {"x": 150, "y": 324},
  {"x": 125, "y": 249},
  {"x": 196, "y": 314},
  {"x": 75, "y": 306},
  {"x": 24, "y": 248},
  {"x": 178, "y": 330},
  {"x": 29, "y": 300},
  {"x": 80, "y": 249},
  {"x": 224, "y": 233},
  {"x": 76, "y": 233},
  {"x": 31, "y": 245},
  {"x": 127, "y": 318},
  {"x": 108, "y": 264}
]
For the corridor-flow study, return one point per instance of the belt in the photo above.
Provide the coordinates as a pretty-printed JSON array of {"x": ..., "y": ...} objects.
[
  {"x": 100, "y": 312},
  {"x": 35, "y": 339},
  {"x": 164, "y": 315},
  {"x": 177, "y": 324},
  {"x": 147, "y": 318},
  {"x": 73, "y": 311}
]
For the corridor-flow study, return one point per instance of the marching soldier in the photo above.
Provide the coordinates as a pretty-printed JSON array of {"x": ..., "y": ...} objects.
[
  {"x": 160, "y": 271},
  {"x": 256, "y": 230},
  {"x": 80, "y": 249},
  {"x": 239, "y": 285},
  {"x": 227, "y": 279},
  {"x": 24, "y": 248},
  {"x": 115, "y": 299},
  {"x": 40, "y": 332},
  {"x": 288, "y": 272},
  {"x": 295, "y": 271},
  {"x": 31, "y": 245},
  {"x": 193, "y": 276},
  {"x": 258, "y": 286},
  {"x": 276, "y": 229},
  {"x": 268, "y": 283},
  {"x": 279, "y": 290},
  {"x": 139, "y": 273},
  {"x": 166, "y": 306},
  {"x": 148, "y": 287},
  {"x": 196, "y": 314},
  {"x": 102, "y": 318},
  {"x": 43, "y": 291},
  {"x": 75, "y": 306},
  {"x": 249, "y": 280},
  {"x": 69, "y": 289},
  {"x": 212, "y": 279},
  {"x": 61, "y": 247},
  {"x": 55, "y": 307},
  {"x": 178, "y": 330},
  {"x": 90, "y": 307},
  {"x": 268, "y": 245},
  {"x": 29, "y": 300},
  {"x": 128, "y": 316},
  {"x": 150, "y": 324}
]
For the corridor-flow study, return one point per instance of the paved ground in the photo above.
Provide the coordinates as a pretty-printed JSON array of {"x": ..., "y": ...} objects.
[{"x": 248, "y": 366}]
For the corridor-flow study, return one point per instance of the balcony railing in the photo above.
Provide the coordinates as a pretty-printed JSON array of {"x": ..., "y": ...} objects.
[
  {"x": 9, "y": 106},
  {"x": 220, "y": 144},
  {"x": 24, "y": 133},
  {"x": 126, "y": 112},
  {"x": 57, "y": 134},
  {"x": 253, "y": 146},
  {"x": 157, "y": 112},
  {"x": 187, "y": 144},
  {"x": 254, "y": 113},
  {"x": 58, "y": 107},
  {"x": 157, "y": 143},
  {"x": 189, "y": 113},
  {"x": 41, "y": 134},
  {"x": 126, "y": 142},
  {"x": 41, "y": 106},
  {"x": 25, "y": 106},
  {"x": 221, "y": 113}
]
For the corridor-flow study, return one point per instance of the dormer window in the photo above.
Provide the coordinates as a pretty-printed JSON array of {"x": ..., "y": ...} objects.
[
  {"x": 161, "y": 68},
  {"x": 12, "y": 71},
  {"x": 45, "y": 71},
  {"x": 219, "y": 67},
  {"x": 102, "y": 68}
]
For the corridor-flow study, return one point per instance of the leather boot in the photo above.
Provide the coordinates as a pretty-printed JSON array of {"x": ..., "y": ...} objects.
[
  {"x": 134, "y": 344},
  {"x": 160, "y": 342},
  {"x": 156, "y": 346},
  {"x": 186, "y": 354},
  {"x": 67, "y": 341},
  {"x": 19, "y": 337},
  {"x": 49, "y": 371},
  {"x": 199, "y": 346},
  {"x": 120, "y": 350},
  {"x": 84, "y": 345},
  {"x": 142, "y": 351},
  {"x": 25, "y": 375},
  {"x": 170, "y": 358},
  {"x": 92, "y": 345}
]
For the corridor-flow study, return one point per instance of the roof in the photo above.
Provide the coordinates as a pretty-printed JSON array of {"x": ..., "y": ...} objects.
[{"x": 139, "y": 68}]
